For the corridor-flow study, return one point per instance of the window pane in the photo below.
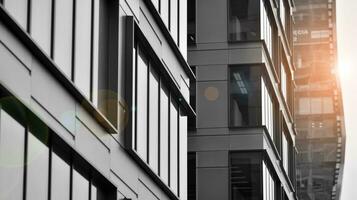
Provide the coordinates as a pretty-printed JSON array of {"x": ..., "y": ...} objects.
[
  {"x": 18, "y": 10},
  {"x": 62, "y": 51},
  {"x": 12, "y": 144},
  {"x": 60, "y": 181},
  {"x": 244, "y": 20},
  {"x": 304, "y": 105},
  {"x": 285, "y": 154},
  {"x": 173, "y": 146},
  {"x": 94, "y": 194},
  {"x": 245, "y": 96},
  {"x": 316, "y": 105},
  {"x": 156, "y": 4},
  {"x": 154, "y": 119},
  {"x": 191, "y": 21},
  {"x": 245, "y": 172},
  {"x": 135, "y": 57},
  {"x": 37, "y": 169},
  {"x": 142, "y": 77},
  {"x": 80, "y": 187},
  {"x": 165, "y": 11},
  {"x": 191, "y": 175},
  {"x": 174, "y": 19},
  {"x": 41, "y": 23},
  {"x": 83, "y": 46},
  {"x": 164, "y": 131},
  {"x": 328, "y": 105}
]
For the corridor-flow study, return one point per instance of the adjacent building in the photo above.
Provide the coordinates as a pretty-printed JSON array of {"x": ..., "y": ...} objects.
[
  {"x": 242, "y": 143},
  {"x": 94, "y": 99},
  {"x": 319, "y": 110}
]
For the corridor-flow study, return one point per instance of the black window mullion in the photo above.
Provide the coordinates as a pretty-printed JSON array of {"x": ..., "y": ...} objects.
[
  {"x": 136, "y": 97},
  {"x": 91, "y": 52},
  {"x": 159, "y": 6},
  {"x": 169, "y": 137},
  {"x": 71, "y": 180},
  {"x": 159, "y": 127},
  {"x": 73, "y": 39},
  {"x": 50, "y": 150},
  {"x": 178, "y": 22},
  {"x": 169, "y": 11},
  {"x": 148, "y": 112},
  {"x": 29, "y": 5},
  {"x": 178, "y": 151},
  {"x": 25, "y": 163},
  {"x": 53, "y": 14}
]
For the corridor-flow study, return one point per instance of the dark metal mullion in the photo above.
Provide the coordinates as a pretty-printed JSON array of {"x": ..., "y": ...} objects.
[
  {"x": 169, "y": 11},
  {"x": 169, "y": 137},
  {"x": 159, "y": 129},
  {"x": 178, "y": 151},
  {"x": 159, "y": 6},
  {"x": 90, "y": 188},
  {"x": 136, "y": 97},
  {"x": 50, "y": 149},
  {"x": 71, "y": 179},
  {"x": 53, "y": 14},
  {"x": 148, "y": 111},
  {"x": 178, "y": 22},
  {"x": 25, "y": 163},
  {"x": 2, "y": 2},
  {"x": 91, "y": 53},
  {"x": 29, "y": 5},
  {"x": 73, "y": 39}
]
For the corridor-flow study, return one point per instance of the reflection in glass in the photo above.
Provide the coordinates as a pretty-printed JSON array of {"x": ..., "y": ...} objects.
[
  {"x": 164, "y": 133},
  {"x": 62, "y": 50},
  {"x": 80, "y": 186},
  {"x": 60, "y": 173},
  {"x": 18, "y": 10},
  {"x": 173, "y": 146},
  {"x": 245, "y": 96},
  {"x": 41, "y": 23},
  {"x": 37, "y": 169},
  {"x": 153, "y": 119},
  {"x": 142, "y": 94},
  {"x": 12, "y": 143},
  {"x": 191, "y": 22},
  {"x": 83, "y": 46},
  {"x": 244, "y": 20},
  {"x": 245, "y": 175}
]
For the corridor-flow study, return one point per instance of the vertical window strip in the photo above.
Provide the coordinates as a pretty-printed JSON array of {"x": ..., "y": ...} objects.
[
  {"x": 73, "y": 38},
  {"x": 29, "y": 5},
  {"x": 53, "y": 14},
  {"x": 91, "y": 73},
  {"x": 148, "y": 113},
  {"x": 95, "y": 52},
  {"x": 178, "y": 23}
]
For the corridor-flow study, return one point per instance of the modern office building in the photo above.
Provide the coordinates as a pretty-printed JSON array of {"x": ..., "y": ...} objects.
[
  {"x": 94, "y": 99},
  {"x": 242, "y": 143},
  {"x": 319, "y": 111}
]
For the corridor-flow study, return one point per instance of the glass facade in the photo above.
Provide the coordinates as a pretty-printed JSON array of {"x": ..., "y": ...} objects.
[
  {"x": 157, "y": 121},
  {"x": 30, "y": 137},
  {"x": 244, "y": 20}
]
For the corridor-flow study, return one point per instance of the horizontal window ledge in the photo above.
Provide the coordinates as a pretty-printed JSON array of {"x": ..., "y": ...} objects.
[{"x": 52, "y": 68}]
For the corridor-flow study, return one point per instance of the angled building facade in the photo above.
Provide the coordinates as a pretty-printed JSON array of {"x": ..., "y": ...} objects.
[
  {"x": 319, "y": 110},
  {"x": 242, "y": 143},
  {"x": 94, "y": 99}
]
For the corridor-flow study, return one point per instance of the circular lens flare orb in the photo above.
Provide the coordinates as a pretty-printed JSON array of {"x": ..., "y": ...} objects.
[{"x": 343, "y": 69}]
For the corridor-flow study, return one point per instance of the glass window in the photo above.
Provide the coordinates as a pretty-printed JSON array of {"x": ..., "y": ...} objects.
[
  {"x": 267, "y": 109},
  {"x": 285, "y": 153},
  {"x": 41, "y": 16},
  {"x": 268, "y": 184},
  {"x": 164, "y": 133},
  {"x": 18, "y": 10},
  {"x": 12, "y": 143},
  {"x": 316, "y": 105},
  {"x": 173, "y": 146},
  {"x": 245, "y": 96},
  {"x": 174, "y": 19},
  {"x": 153, "y": 119},
  {"x": 80, "y": 186},
  {"x": 62, "y": 50},
  {"x": 245, "y": 175},
  {"x": 327, "y": 104},
  {"x": 141, "y": 105},
  {"x": 156, "y": 4},
  {"x": 244, "y": 20},
  {"x": 191, "y": 22},
  {"x": 165, "y": 11},
  {"x": 304, "y": 105},
  {"x": 37, "y": 169},
  {"x": 191, "y": 175},
  {"x": 83, "y": 46},
  {"x": 60, "y": 178},
  {"x": 283, "y": 81}
]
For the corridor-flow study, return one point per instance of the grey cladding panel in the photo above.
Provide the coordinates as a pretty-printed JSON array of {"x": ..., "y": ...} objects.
[
  {"x": 212, "y": 183},
  {"x": 212, "y": 104},
  {"x": 211, "y": 72},
  {"x": 211, "y": 21},
  {"x": 208, "y": 57},
  {"x": 212, "y": 159},
  {"x": 14, "y": 74},
  {"x": 53, "y": 97},
  {"x": 246, "y": 55}
]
